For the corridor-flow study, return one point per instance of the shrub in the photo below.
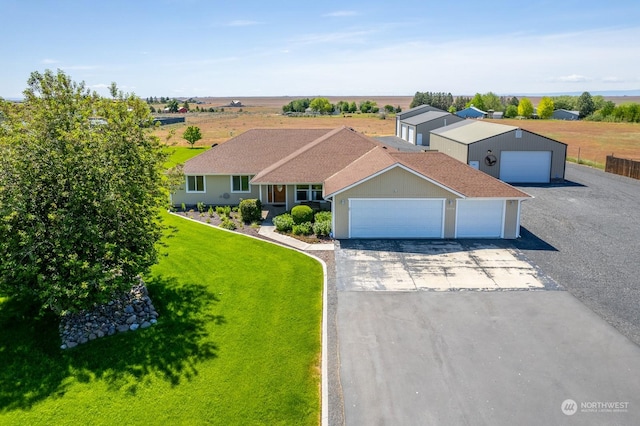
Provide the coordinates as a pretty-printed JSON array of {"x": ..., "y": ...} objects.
[
  {"x": 304, "y": 228},
  {"x": 302, "y": 214},
  {"x": 227, "y": 224},
  {"x": 323, "y": 216},
  {"x": 223, "y": 211},
  {"x": 322, "y": 229},
  {"x": 250, "y": 210},
  {"x": 210, "y": 211},
  {"x": 283, "y": 222},
  {"x": 200, "y": 205},
  {"x": 183, "y": 207}
]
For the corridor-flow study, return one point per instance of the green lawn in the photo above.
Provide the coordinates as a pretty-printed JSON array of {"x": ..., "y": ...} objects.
[
  {"x": 237, "y": 342},
  {"x": 180, "y": 154}
]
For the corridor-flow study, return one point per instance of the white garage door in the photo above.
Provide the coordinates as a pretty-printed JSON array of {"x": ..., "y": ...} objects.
[
  {"x": 479, "y": 218},
  {"x": 412, "y": 132},
  {"x": 404, "y": 133},
  {"x": 396, "y": 218},
  {"x": 525, "y": 166}
]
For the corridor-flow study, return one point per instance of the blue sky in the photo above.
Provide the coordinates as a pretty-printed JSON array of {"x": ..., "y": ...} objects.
[{"x": 277, "y": 48}]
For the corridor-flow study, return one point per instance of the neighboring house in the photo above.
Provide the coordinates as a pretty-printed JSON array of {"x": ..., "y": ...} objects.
[
  {"x": 400, "y": 116},
  {"x": 183, "y": 110},
  {"x": 506, "y": 152},
  {"x": 471, "y": 112},
  {"x": 168, "y": 120},
  {"x": 235, "y": 103},
  {"x": 496, "y": 115},
  {"x": 563, "y": 114},
  {"x": 416, "y": 129},
  {"x": 371, "y": 190}
]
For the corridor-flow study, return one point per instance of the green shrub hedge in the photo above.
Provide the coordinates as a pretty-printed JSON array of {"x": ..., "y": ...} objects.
[
  {"x": 322, "y": 229},
  {"x": 303, "y": 229},
  {"x": 250, "y": 210},
  {"x": 323, "y": 216},
  {"x": 283, "y": 222},
  {"x": 302, "y": 214}
]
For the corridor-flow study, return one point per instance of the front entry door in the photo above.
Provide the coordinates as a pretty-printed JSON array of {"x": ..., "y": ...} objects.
[{"x": 277, "y": 194}]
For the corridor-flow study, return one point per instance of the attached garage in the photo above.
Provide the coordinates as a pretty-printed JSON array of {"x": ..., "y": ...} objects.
[
  {"x": 525, "y": 166},
  {"x": 480, "y": 218},
  {"x": 396, "y": 218}
]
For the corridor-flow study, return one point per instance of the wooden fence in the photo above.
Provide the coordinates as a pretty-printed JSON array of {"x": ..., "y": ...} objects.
[{"x": 623, "y": 166}]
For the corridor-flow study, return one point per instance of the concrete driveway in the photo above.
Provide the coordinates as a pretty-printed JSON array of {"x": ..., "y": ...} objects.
[{"x": 410, "y": 265}]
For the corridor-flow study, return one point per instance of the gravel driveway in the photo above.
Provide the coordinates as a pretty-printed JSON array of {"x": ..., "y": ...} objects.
[{"x": 586, "y": 236}]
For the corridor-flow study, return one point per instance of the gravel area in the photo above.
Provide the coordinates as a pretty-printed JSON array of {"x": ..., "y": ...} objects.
[{"x": 585, "y": 234}]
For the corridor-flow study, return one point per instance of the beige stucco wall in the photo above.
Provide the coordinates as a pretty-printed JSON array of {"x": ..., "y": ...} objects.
[
  {"x": 395, "y": 183},
  {"x": 528, "y": 142},
  {"x": 451, "y": 148},
  {"x": 215, "y": 188}
]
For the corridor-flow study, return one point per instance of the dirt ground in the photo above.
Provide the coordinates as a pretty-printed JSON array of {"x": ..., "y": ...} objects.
[{"x": 587, "y": 140}]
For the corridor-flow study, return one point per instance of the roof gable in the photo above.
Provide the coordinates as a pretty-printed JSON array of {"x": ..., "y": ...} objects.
[
  {"x": 435, "y": 167},
  {"x": 316, "y": 161},
  {"x": 426, "y": 117}
]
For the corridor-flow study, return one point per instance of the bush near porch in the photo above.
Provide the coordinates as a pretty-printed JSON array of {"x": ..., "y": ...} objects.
[{"x": 300, "y": 223}]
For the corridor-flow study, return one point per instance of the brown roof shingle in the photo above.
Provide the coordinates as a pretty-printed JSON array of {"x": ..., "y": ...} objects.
[
  {"x": 252, "y": 151},
  {"x": 316, "y": 161},
  {"x": 436, "y": 166}
]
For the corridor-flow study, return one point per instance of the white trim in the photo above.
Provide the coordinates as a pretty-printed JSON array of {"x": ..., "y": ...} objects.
[
  {"x": 204, "y": 184},
  {"x": 438, "y": 184},
  {"x": 248, "y": 191},
  {"x": 518, "y": 219}
]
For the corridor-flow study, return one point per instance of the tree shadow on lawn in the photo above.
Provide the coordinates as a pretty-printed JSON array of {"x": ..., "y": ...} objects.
[{"x": 34, "y": 367}]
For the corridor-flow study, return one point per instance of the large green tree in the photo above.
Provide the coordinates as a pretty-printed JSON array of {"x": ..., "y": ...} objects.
[
  {"x": 545, "y": 107},
  {"x": 81, "y": 187},
  {"x": 525, "y": 108},
  {"x": 321, "y": 105},
  {"x": 477, "y": 101},
  {"x": 585, "y": 105}
]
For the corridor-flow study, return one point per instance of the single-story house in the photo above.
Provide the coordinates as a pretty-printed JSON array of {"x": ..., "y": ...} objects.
[
  {"x": 372, "y": 190},
  {"x": 471, "y": 112},
  {"x": 508, "y": 153},
  {"x": 183, "y": 110},
  {"x": 563, "y": 114},
  {"x": 416, "y": 129},
  {"x": 420, "y": 109}
]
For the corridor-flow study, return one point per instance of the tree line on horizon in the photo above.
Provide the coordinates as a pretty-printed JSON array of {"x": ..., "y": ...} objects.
[
  {"x": 323, "y": 106},
  {"x": 593, "y": 108}
]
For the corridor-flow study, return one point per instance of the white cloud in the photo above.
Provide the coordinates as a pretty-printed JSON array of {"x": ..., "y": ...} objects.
[
  {"x": 340, "y": 14},
  {"x": 48, "y": 61},
  {"x": 573, "y": 78},
  {"x": 241, "y": 23},
  {"x": 80, "y": 67}
]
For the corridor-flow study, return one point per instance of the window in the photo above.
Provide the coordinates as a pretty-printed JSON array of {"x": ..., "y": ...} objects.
[
  {"x": 240, "y": 184},
  {"x": 316, "y": 192},
  {"x": 302, "y": 192},
  {"x": 195, "y": 184},
  {"x": 309, "y": 192}
]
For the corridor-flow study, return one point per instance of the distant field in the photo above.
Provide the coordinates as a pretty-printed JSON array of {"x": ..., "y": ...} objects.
[{"x": 591, "y": 141}]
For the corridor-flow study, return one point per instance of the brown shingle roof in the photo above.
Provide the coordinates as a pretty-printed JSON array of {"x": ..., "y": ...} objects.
[
  {"x": 436, "y": 166},
  {"x": 252, "y": 151},
  {"x": 316, "y": 161}
]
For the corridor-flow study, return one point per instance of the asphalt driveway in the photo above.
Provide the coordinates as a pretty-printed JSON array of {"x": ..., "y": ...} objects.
[{"x": 506, "y": 357}]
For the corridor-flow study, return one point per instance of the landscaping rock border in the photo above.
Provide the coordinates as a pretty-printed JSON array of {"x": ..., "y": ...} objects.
[{"x": 129, "y": 312}]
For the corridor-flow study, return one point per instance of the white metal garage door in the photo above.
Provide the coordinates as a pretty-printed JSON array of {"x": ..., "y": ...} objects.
[
  {"x": 479, "y": 218},
  {"x": 412, "y": 132},
  {"x": 396, "y": 218},
  {"x": 525, "y": 166},
  {"x": 404, "y": 133}
]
